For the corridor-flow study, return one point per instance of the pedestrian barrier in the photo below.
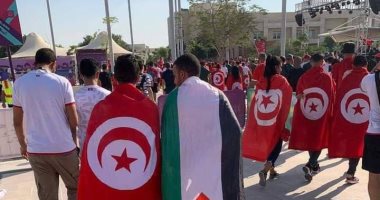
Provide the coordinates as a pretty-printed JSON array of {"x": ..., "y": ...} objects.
[{"x": 9, "y": 146}]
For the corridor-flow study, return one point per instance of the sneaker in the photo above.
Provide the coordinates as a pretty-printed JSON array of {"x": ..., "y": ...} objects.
[
  {"x": 273, "y": 175},
  {"x": 307, "y": 170},
  {"x": 315, "y": 170},
  {"x": 263, "y": 178},
  {"x": 351, "y": 179}
]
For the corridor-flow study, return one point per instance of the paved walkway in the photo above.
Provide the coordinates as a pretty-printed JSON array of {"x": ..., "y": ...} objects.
[{"x": 329, "y": 184}]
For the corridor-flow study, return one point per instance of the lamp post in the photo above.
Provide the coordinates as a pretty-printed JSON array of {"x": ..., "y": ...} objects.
[
  {"x": 111, "y": 56},
  {"x": 51, "y": 26},
  {"x": 283, "y": 28}
]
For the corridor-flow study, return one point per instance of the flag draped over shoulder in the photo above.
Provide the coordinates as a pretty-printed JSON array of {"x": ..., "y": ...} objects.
[
  {"x": 267, "y": 117},
  {"x": 200, "y": 138},
  {"x": 218, "y": 79},
  {"x": 339, "y": 69},
  {"x": 121, "y": 157},
  {"x": 234, "y": 84},
  {"x": 313, "y": 112},
  {"x": 246, "y": 81},
  {"x": 351, "y": 114}
]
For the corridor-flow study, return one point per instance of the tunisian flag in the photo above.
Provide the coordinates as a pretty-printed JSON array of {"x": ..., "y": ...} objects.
[
  {"x": 339, "y": 69},
  {"x": 312, "y": 113},
  {"x": 233, "y": 84},
  {"x": 267, "y": 117},
  {"x": 218, "y": 79},
  {"x": 121, "y": 157},
  {"x": 351, "y": 115}
]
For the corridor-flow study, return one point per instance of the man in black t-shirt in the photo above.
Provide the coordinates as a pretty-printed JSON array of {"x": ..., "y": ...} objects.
[
  {"x": 168, "y": 78},
  {"x": 105, "y": 78}
]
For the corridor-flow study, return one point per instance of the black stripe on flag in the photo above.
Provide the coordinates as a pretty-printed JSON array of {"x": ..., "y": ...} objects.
[{"x": 232, "y": 174}]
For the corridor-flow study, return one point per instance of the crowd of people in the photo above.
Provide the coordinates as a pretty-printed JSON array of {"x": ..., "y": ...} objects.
[{"x": 110, "y": 136}]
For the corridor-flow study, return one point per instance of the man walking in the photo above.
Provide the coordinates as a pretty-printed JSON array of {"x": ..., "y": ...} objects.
[
  {"x": 371, "y": 155},
  {"x": 312, "y": 114},
  {"x": 88, "y": 95},
  {"x": 200, "y": 139},
  {"x": 44, "y": 102}
]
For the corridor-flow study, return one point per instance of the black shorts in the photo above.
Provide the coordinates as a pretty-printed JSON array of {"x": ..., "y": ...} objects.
[{"x": 371, "y": 155}]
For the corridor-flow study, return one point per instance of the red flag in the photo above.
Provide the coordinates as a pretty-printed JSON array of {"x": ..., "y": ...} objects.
[
  {"x": 246, "y": 81},
  {"x": 267, "y": 117},
  {"x": 121, "y": 156},
  {"x": 340, "y": 68},
  {"x": 258, "y": 73},
  {"x": 218, "y": 79},
  {"x": 351, "y": 115},
  {"x": 313, "y": 112},
  {"x": 233, "y": 84}
]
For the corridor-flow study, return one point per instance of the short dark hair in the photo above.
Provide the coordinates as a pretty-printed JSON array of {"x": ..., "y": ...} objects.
[
  {"x": 88, "y": 68},
  {"x": 44, "y": 56},
  {"x": 126, "y": 69},
  {"x": 360, "y": 61},
  {"x": 167, "y": 65},
  {"x": 188, "y": 63},
  {"x": 316, "y": 57},
  {"x": 104, "y": 66},
  {"x": 262, "y": 56}
]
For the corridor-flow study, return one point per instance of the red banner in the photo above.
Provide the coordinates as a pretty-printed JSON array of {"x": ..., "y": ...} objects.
[
  {"x": 261, "y": 46},
  {"x": 10, "y": 30}
]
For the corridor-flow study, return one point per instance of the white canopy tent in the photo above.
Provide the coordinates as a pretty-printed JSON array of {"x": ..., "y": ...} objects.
[
  {"x": 101, "y": 42},
  {"x": 32, "y": 44},
  {"x": 349, "y": 33}
]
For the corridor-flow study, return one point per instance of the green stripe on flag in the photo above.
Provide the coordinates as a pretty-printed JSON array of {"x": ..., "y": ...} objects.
[{"x": 170, "y": 144}]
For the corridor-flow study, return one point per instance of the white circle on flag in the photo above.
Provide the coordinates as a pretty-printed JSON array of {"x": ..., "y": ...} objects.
[
  {"x": 218, "y": 78},
  {"x": 246, "y": 80},
  {"x": 314, "y": 108},
  {"x": 105, "y": 166},
  {"x": 267, "y": 104},
  {"x": 358, "y": 116}
]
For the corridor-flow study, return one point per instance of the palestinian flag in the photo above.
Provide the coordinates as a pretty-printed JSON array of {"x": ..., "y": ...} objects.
[{"x": 200, "y": 144}]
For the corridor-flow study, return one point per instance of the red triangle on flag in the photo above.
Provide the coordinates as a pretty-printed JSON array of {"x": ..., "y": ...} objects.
[{"x": 201, "y": 196}]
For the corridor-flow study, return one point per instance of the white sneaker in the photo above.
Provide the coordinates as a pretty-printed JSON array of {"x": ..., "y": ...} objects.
[{"x": 2, "y": 193}]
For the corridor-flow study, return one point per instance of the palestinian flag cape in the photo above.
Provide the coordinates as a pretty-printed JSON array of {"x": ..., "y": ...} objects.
[
  {"x": 121, "y": 155},
  {"x": 351, "y": 114},
  {"x": 200, "y": 137},
  {"x": 312, "y": 113},
  {"x": 267, "y": 117},
  {"x": 218, "y": 79}
]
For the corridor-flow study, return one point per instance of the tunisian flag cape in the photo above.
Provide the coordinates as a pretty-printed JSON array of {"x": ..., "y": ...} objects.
[
  {"x": 121, "y": 157},
  {"x": 218, "y": 79},
  {"x": 312, "y": 113},
  {"x": 267, "y": 117},
  {"x": 201, "y": 156},
  {"x": 233, "y": 84},
  {"x": 351, "y": 114},
  {"x": 339, "y": 69}
]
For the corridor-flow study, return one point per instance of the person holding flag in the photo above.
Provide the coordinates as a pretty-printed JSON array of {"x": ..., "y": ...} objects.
[
  {"x": 339, "y": 69},
  {"x": 200, "y": 139},
  {"x": 350, "y": 119},
  {"x": 263, "y": 135},
  {"x": 121, "y": 155},
  {"x": 218, "y": 78},
  {"x": 258, "y": 73},
  {"x": 312, "y": 114}
]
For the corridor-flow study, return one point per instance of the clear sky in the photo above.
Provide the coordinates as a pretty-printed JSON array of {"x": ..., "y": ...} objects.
[{"x": 73, "y": 19}]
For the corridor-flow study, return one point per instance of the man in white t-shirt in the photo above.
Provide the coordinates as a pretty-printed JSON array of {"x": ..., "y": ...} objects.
[
  {"x": 44, "y": 102},
  {"x": 88, "y": 96},
  {"x": 371, "y": 155}
]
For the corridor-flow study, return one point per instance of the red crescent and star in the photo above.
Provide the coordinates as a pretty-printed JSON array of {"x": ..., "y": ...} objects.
[
  {"x": 313, "y": 107},
  {"x": 123, "y": 161},
  {"x": 266, "y": 101},
  {"x": 358, "y": 109}
]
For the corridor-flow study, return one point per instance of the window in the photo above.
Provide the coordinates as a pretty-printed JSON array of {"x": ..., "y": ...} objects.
[
  {"x": 258, "y": 35},
  {"x": 313, "y": 34},
  {"x": 276, "y": 35}
]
